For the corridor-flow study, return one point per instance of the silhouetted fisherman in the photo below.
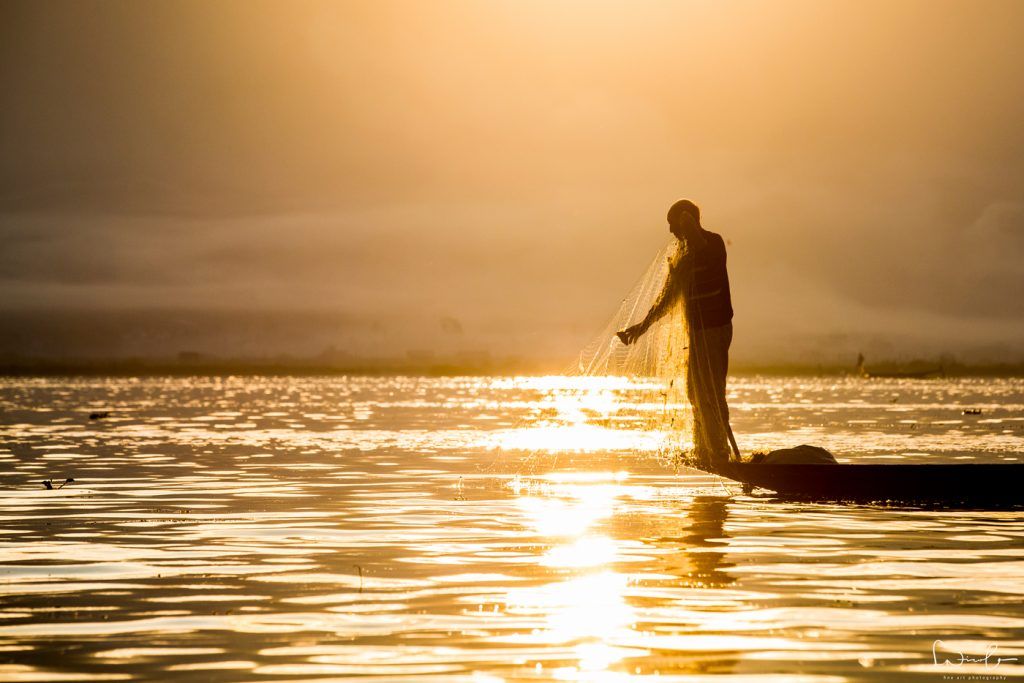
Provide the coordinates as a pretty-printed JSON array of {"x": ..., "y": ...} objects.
[{"x": 700, "y": 278}]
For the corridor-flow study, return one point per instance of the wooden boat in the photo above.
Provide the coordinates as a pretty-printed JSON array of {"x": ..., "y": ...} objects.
[{"x": 982, "y": 484}]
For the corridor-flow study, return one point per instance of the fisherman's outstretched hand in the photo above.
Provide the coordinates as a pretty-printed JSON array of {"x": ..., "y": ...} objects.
[{"x": 630, "y": 334}]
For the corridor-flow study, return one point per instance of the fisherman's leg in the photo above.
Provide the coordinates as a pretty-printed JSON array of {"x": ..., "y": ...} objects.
[
  {"x": 698, "y": 387},
  {"x": 692, "y": 395},
  {"x": 726, "y": 344},
  {"x": 723, "y": 342},
  {"x": 718, "y": 340},
  {"x": 721, "y": 366}
]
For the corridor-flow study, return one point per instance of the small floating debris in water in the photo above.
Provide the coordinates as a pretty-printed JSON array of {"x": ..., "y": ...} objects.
[
  {"x": 48, "y": 483},
  {"x": 99, "y": 415},
  {"x": 972, "y": 411}
]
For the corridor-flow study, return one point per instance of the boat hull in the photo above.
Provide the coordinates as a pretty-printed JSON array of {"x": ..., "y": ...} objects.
[{"x": 981, "y": 484}]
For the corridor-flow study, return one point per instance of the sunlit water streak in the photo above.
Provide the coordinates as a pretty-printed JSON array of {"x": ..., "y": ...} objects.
[{"x": 246, "y": 529}]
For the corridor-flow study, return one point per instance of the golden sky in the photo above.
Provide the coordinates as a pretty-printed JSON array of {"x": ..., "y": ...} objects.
[{"x": 509, "y": 164}]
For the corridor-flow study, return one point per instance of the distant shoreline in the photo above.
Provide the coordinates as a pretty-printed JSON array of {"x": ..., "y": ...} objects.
[{"x": 397, "y": 367}]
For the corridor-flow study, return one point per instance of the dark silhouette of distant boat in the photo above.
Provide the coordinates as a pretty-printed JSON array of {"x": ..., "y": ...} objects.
[{"x": 861, "y": 370}]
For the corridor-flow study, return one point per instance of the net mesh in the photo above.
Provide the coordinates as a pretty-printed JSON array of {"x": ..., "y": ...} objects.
[{"x": 688, "y": 361}]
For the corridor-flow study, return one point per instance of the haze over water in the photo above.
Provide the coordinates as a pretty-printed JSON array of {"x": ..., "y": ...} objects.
[
  {"x": 250, "y": 179},
  {"x": 313, "y": 529}
]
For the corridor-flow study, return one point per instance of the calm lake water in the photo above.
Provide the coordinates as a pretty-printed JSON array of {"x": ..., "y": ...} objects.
[{"x": 489, "y": 529}]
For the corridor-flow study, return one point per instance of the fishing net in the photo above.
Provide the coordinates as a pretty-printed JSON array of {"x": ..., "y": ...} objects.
[{"x": 677, "y": 359}]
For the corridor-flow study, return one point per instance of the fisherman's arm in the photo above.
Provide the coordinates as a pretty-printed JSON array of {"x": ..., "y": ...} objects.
[{"x": 660, "y": 307}]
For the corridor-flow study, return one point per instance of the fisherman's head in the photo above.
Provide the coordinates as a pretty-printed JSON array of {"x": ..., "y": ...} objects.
[{"x": 684, "y": 219}]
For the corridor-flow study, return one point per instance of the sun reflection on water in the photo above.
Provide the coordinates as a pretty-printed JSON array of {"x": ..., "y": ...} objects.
[
  {"x": 589, "y": 608},
  {"x": 588, "y": 414},
  {"x": 250, "y": 528},
  {"x": 571, "y": 503}
]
